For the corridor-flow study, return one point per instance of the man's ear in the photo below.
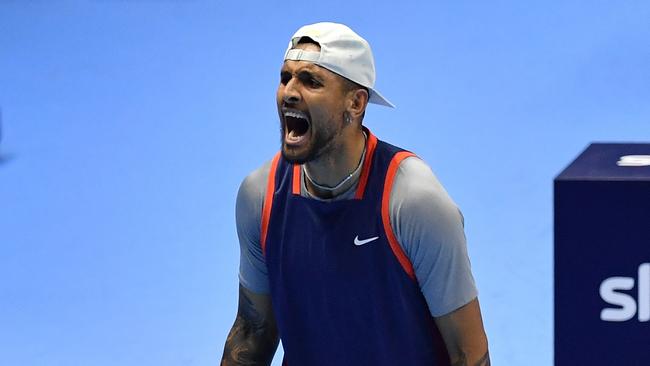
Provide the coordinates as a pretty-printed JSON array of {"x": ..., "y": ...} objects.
[{"x": 358, "y": 102}]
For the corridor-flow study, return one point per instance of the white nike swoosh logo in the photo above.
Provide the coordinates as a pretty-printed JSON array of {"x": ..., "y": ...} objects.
[{"x": 364, "y": 241}]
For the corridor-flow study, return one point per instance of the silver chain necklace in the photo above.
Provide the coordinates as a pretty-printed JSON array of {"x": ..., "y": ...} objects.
[{"x": 331, "y": 190}]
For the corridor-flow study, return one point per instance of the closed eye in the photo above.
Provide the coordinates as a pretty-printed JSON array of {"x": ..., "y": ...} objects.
[
  {"x": 309, "y": 79},
  {"x": 285, "y": 76}
]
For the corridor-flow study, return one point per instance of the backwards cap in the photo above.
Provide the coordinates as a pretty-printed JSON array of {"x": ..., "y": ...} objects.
[{"x": 342, "y": 51}]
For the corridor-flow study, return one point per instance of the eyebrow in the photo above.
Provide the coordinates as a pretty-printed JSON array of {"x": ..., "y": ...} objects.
[
  {"x": 303, "y": 73},
  {"x": 311, "y": 68},
  {"x": 309, "y": 74}
]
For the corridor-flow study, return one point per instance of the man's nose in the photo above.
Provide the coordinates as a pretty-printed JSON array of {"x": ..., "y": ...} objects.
[{"x": 291, "y": 94}]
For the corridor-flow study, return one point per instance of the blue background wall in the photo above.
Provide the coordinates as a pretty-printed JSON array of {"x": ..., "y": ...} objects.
[{"x": 128, "y": 126}]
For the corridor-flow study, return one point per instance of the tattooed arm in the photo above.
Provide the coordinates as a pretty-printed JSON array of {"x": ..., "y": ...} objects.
[
  {"x": 253, "y": 339},
  {"x": 462, "y": 331}
]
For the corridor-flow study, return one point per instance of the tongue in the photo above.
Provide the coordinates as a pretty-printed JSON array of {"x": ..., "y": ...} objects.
[{"x": 294, "y": 137}]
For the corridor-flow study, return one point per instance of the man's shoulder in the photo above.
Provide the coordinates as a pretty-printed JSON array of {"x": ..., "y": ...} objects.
[
  {"x": 416, "y": 174},
  {"x": 414, "y": 166},
  {"x": 256, "y": 180},
  {"x": 416, "y": 188},
  {"x": 251, "y": 193},
  {"x": 414, "y": 178}
]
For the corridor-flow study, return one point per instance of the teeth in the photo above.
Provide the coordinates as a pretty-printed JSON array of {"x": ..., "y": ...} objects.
[{"x": 295, "y": 114}]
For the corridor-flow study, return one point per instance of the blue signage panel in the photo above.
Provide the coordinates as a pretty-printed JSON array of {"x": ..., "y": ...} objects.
[{"x": 602, "y": 257}]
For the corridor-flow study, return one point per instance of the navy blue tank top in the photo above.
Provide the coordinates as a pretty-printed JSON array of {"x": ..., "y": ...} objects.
[{"x": 343, "y": 291}]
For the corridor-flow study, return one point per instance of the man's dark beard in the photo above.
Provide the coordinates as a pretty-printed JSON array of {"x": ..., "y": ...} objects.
[{"x": 321, "y": 144}]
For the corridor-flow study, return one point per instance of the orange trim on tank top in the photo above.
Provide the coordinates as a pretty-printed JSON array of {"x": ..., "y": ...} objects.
[
  {"x": 367, "y": 162},
  {"x": 295, "y": 186},
  {"x": 268, "y": 202},
  {"x": 385, "y": 213}
]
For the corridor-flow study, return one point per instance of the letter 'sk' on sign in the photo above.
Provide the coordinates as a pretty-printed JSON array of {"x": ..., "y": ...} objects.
[{"x": 610, "y": 292}]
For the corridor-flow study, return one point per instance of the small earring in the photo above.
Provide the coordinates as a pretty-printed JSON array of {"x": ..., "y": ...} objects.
[{"x": 347, "y": 118}]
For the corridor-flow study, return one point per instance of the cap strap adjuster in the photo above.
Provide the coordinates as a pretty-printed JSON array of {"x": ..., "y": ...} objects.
[{"x": 297, "y": 54}]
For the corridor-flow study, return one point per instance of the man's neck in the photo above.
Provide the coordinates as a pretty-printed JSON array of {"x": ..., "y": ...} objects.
[{"x": 333, "y": 169}]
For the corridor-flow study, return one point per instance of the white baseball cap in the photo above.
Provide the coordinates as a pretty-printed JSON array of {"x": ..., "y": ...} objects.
[{"x": 342, "y": 51}]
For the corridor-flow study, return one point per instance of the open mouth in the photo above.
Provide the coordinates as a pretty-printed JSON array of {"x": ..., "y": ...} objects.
[{"x": 296, "y": 126}]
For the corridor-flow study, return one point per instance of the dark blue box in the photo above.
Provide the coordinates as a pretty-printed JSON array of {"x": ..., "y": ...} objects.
[{"x": 602, "y": 257}]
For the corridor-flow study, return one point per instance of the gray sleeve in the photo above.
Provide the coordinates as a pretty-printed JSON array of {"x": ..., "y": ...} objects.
[
  {"x": 429, "y": 227},
  {"x": 253, "y": 274}
]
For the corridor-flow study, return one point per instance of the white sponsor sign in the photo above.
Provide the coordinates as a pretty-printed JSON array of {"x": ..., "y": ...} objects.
[
  {"x": 627, "y": 305},
  {"x": 634, "y": 160}
]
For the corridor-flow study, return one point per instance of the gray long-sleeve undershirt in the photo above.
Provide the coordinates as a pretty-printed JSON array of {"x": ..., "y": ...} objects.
[{"x": 426, "y": 222}]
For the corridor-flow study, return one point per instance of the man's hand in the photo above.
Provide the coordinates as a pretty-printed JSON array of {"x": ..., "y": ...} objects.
[
  {"x": 462, "y": 331},
  {"x": 253, "y": 339}
]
